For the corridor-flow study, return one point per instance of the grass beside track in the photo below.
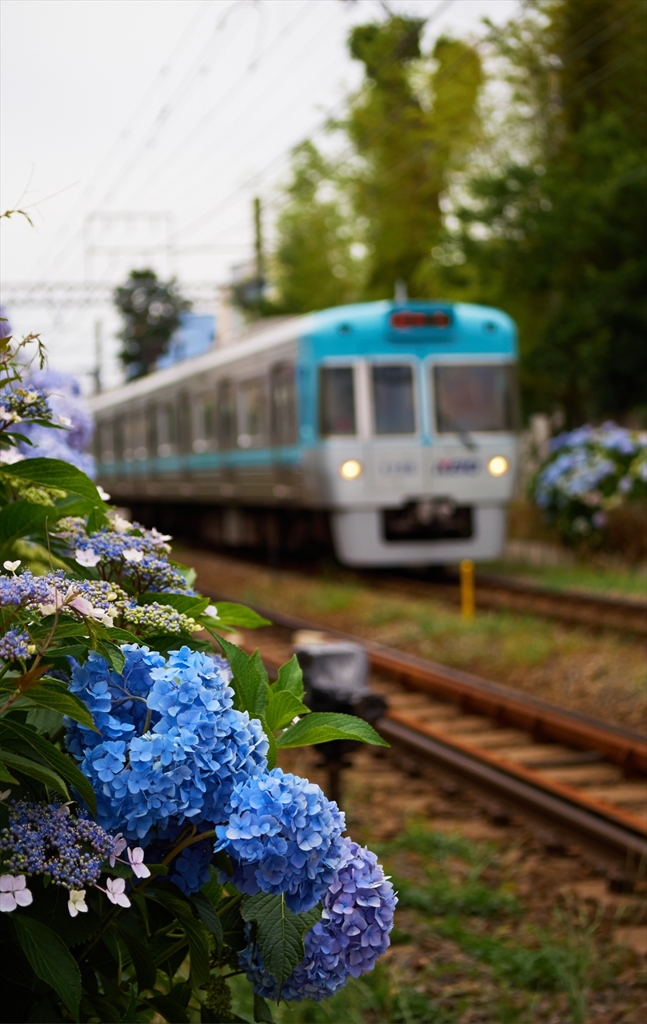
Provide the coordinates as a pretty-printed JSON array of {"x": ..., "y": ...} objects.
[
  {"x": 607, "y": 580},
  {"x": 598, "y": 672}
]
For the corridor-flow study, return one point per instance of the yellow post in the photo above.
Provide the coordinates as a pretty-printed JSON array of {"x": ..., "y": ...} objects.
[{"x": 467, "y": 588}]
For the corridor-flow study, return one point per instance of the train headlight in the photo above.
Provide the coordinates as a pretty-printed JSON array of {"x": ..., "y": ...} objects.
[
  {"x": 498, "y": 465},
  {"x": 351, "y": 469}
]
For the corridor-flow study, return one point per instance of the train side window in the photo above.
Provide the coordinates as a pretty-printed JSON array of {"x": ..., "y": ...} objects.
[
  {"x": 336, "y": 401},
  {"x": 151, "y": 431},
  {"x": 251, "y": 413},
  {"x": 184, "y": 424},
  {"x": 475, "y": 398},
  {"x": 129, "y": 439},
  {"x": 204, "y": 424},
  {"x": 118, "y": 434},
  {"x": 393, "y": 402},
  {"x": 226, "y": 419},
  {"x": 283, "y": 427},
  {"x": 105, "y": 442},
  {"x": 166, "y": 430}
]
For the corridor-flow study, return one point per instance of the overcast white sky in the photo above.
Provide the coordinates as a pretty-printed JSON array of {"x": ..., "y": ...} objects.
[{"x": 182, "y": 107}]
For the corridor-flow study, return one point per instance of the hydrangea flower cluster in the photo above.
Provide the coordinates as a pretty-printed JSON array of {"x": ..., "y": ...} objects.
[
  {"x": 27, "y": 590},
  {"x": 43, "y": 839},
  {"x": 170, "y": 746},
  {"x": 62, "y": 395},
  {"x": 126, "y": 552},
  {"x": 158, "y": 618},
  {"x": 351, "y": 935},
  {"x": 284, "y": 836},
  {"x": 15, "y": 645},
  {"x": 589, "y": 472}
]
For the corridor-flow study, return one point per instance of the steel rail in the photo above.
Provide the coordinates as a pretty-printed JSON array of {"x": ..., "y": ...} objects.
[
  {"x": 597, "y": 818},
  {"x": 573, "y": 606}
]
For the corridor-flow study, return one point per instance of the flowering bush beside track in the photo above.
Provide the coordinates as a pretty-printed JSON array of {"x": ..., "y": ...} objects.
[
  {"x": 590, "y": 472},
  {"x": 150, "y": 847}
]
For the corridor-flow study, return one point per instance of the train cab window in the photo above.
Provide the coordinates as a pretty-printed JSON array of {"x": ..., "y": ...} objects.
[
  {"x": 166, "y": 430},
  {"x": 393, "y": 402},
  {"x": 251, "y": 413},
  {"x": 283, "y": 426},
  {"x": 226, "y": 418},
  {"x": 337, "y": 401},
  {"x": 475, "y": 398},
  {"x": 105, "y": 442}
]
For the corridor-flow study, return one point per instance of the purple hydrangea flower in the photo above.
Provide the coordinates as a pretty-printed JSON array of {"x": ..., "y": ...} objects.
[{"x": 347, "y": 941}]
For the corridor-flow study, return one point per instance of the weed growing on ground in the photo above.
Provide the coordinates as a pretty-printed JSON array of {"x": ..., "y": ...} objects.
[{"x": 464, "y": 949}]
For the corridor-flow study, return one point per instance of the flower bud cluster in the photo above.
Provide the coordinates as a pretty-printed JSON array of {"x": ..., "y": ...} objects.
[
  {"x": 21, "y": 403},
  {"x": 45, "y": 839},
  {"x": 284, "y": 836},
  {"x": 15, "y": 645},
  {"x": 352, "y": 933},
  {"x": 157, "y": 618}
]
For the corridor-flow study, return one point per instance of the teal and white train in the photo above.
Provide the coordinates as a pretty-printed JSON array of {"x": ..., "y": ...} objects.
[{"x": 387, "y": 429}]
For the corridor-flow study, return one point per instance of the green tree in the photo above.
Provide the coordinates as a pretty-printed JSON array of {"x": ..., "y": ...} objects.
[
  {"x": 410, "y": 126},
  {"x": 150, "y": 310},
  {"x": 554, "y": 230},
  {"x": 313, "y": 265}
]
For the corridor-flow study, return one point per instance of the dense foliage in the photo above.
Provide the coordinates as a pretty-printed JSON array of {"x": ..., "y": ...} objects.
[
  {"x": 510, "y": 172},
  {"x": 150, "y": 310},
  {"x": 589, "y": 472},
  {"x": 150, "y": 847}
]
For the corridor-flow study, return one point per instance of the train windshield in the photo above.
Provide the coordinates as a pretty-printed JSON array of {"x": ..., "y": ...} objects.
[
  {"x": 393, "y": 399},
  {"x": 337, "y": 408},
  {"x": 475, "y": 398}
]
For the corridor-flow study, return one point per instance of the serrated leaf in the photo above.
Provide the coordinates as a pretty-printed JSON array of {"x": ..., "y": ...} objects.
[
  {"x": 208, "y": 915},
  {"x": 170, "y": 1009},
  {"x": 282, "y": 707},
  {"x": 232, "y": 614},
  {"x": 262, "y": 1011},
  {"x": 130, "y": 1013},
  {"x": 194, "y": 931},
  {"x": 323, "y": 726},
  {"x": 50, "y": 960},
  {"x": 59, "y": 761},
  {"x": 145, "y": 969},
  {"x": 290, "y": 678},
  {"x": 249, "y": 681},
  {"x": 113, "y": 655},
  {"x": 120, "y": 636},
  {"x": 272, "y": 752},
  {"x": 309, "y": 918},
  {"x": 20, "y": 519},
  {"x": 278, "y": 934},
  {"x": 5, "y": 776},
  {"x": 47, "y": 696},
  {"x": 183, "y": 603},
  {"x": 34, "y": 770},
  {"x": 54, "y": 473}
]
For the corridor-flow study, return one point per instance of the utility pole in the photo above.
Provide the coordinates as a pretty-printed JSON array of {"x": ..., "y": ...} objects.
[{"x": 258, "y": 248}]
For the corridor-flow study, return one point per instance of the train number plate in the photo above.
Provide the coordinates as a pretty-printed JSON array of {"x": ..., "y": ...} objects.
[
  {"x": 457, "y": 466},
  {"x": 398, "y": 469}
]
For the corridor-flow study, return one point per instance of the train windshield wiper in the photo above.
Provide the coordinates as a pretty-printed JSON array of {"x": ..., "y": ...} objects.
[{"x": 464, "y": 435}]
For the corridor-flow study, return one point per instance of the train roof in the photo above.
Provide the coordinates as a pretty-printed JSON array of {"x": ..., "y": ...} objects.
[{"x": 364, "y": 321}]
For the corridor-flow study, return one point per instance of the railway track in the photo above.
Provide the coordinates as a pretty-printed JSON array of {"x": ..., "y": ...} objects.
[
  {"x": 565, "y": 767},
  {"x": 577, "y": 607}
]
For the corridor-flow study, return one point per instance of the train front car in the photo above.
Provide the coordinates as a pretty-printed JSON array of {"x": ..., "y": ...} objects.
[{"x": 409, "y": 415}]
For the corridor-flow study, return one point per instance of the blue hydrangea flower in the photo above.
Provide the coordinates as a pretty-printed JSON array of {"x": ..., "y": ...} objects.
[
  {"x": 170, "y": 746},
  {"x": 347, "y": 941},
  {"x": 284, "y": 836}
]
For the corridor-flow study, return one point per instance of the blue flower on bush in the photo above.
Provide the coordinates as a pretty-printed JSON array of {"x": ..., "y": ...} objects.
[
  {"x": 170, "y": 746},
  {"x": 284, "y": 836},
  {"x": 347, "y": 941}
]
